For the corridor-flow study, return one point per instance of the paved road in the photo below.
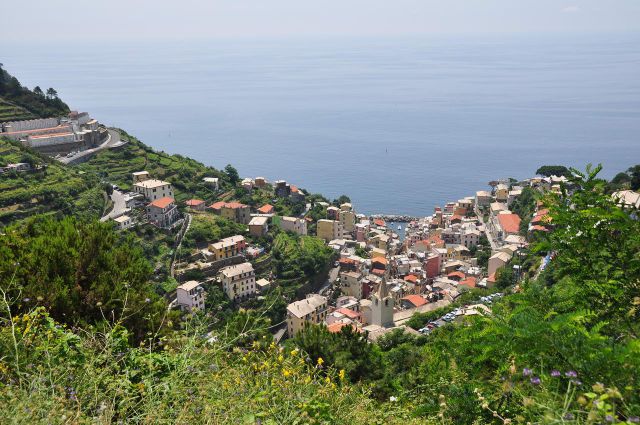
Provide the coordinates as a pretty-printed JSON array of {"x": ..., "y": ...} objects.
[
  {"x": 113, "y": 140},
  {"x": 119, "y": 205}
]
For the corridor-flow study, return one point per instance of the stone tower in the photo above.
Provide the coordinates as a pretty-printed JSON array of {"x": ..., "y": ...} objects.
[{"x": 382, "y": 306}]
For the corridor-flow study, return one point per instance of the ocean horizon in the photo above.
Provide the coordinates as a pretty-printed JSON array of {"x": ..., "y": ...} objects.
[{"x": 398, "y": 124}]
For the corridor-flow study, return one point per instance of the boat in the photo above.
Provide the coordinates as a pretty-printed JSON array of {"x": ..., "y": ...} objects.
[{"x": 399, "y": 227}]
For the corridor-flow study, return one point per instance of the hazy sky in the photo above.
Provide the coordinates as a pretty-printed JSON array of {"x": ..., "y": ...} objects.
[{"x": 40, "y": 20}]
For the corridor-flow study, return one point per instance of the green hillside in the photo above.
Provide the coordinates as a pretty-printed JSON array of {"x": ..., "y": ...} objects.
[
  {"x": 12, "y": 112},
  {"x": 54, "y": 189}
]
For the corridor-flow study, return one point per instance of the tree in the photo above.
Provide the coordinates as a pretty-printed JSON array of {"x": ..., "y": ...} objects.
[
  {"x": 343, "y": 199},
  {"x": 232, "y": 173},
  {"x": 51, "y": 93},
  {"x": 38, "y": 91},
  {"x": 553, "y": 170},
  {"x": 634, "y": 173}
]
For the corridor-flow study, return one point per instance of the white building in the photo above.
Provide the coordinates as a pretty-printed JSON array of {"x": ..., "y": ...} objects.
[
  {"x": 238, "y": 281},
  {"x": 304, "y": 313},
  {"x": 123, "y": 222},
  {"x": 140, "y": 176},
  {"x": 190, "y": 295},
  {"x": 212, "y": 182},
  {"x": 154, "y": 189}
]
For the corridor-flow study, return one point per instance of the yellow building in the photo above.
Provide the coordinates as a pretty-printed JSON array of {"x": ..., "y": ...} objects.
[
  {"x": 329, "y": 230},
  {"x": 228, "y": 247}
]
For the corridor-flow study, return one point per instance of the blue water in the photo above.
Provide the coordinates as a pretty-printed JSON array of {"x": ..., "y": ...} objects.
[{"x": 399, "y": 125}]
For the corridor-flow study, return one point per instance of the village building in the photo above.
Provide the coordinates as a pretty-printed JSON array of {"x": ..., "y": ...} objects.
[
  {"x": 190, "y": 295},
  {"x": 163, "y": 212},
  {"x": 140, "y": 176},
  {"x": 235, "y": 211},
  {"x": 212, "y": 182},
  {"x": 304, "y": 313},
  {"x": 228, "y": 247},
  {"x": 258, "y": 226},
  {"x": 153, "y": 189},
  {"x": 293, "y": 224},
  {"x": 123, "y": 222},
  {"x": 238, "y": 281},
  {"x": 195, "y": 204},
  {"x": 328, "y": 229}
]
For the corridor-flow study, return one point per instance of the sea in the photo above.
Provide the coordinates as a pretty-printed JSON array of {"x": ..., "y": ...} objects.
[{"x": 400, "y": 125}]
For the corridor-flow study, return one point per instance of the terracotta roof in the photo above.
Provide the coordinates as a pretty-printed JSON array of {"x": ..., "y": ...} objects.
[
  {"x": 349, "y": 313},
  {"x": 162, "y": 202},
  {"x": 510, "y": 223},
  {"x": 456, "y": 217},
  {"x": 337, "y": 327},
  {"x": 459, "y": 275},
  {"x": 217, "y": 205},
  {"x": 194, "y": 202},
  {"x": 492, "y": 278},
  {"x": 416, "y": 300},
  {"x": 378, "y": 272},
  {"x": 294, "y": 189},
  {"x": 234, "y": 205},
  {"x": 347, "y": 261},
  {"x": 380, "y": 260},
  {"x": 470, "y": 282},
  {"x": 266, "y": 209},
  {"x": 411, "y": 278},
  {"x": 379, "y": 222}
]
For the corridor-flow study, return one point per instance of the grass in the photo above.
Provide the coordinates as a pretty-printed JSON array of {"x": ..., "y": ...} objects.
[{"x": 11, "y": 112}]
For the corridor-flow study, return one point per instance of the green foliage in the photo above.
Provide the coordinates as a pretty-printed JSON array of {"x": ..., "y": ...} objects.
[
  {"x": 553, "y": 170},
  {"x": 300, "y": 260},
  {"x": 348, "y": 350},
  {"x": 232, "y": 174},
  {"x": 207, "y": 228},
  {"x": 49, "y": 374},
  {"x": 82, "y": 273},
  {"x": 54, "y": 189},
  {"x": 524, "y": 206}
]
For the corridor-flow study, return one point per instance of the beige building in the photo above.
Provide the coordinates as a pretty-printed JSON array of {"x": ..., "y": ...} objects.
[
  {"x": 236, "y": 211},
  {"x": 238, "y": 281},
  {"x": 502, "y": 192},
  {"x": 295, "y": 225},
  {"x": 153, "y": 189},
  {"x": 351, "y": 283},
  {"x": 483, "y": 198},
  {"x": 301, "y": 314},
  {"x": 347, "y": 220},
  {"x": 258, "y": 226},
  {"x": 140, "y": 176},
  {"x": 190, "y": 295},
  {"x": 329, "y": 230},
  {"x": 498, "y": 261}
]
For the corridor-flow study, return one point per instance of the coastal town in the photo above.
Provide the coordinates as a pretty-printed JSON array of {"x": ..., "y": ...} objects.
[
  {"x": 379, "y": 278},
  {"x": 384, "y": 269}
]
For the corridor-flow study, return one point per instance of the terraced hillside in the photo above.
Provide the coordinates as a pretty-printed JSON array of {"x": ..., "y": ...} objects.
[
  {"x": 185, "y": 174},
  {"x": 12, "y": 112},
  {"x": 53, "y": 189}
]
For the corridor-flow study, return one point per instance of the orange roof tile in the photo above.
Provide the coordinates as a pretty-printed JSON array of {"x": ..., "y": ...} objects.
[
  {"x": 459, "y": 275},
  {"x": 234, "y": 205},
  {"x": 411, "y": 278},
  {"x": 510, "y": 223},
  {"x": 349, "y": 313},
  {"x": 456, "y": 217},
  {"x": 470, "y": 282},
  {"x": 416, "y": 300},
  {"x": 162, "y": 202},
  {"x": 337, "y": 327},
  {"x": 380, "y": 260},
  {"x": 217, "y": 205},
  {"x": 194, "y": 202},
  {"x": 266, "y": 209},
  {"x": 378, "y": 272},
  {"x": 379, "y": 222}
]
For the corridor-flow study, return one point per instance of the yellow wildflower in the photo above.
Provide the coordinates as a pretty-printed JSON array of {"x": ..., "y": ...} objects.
[
  {"x": 286, "y": 373},
  {"x": 327, "y": 380},
  {"x": 320, "y": 361},
  {"x": 341, "y": 374},
  {"x": 294, "y": 352},
  {"x": 280, "y": 358}
]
